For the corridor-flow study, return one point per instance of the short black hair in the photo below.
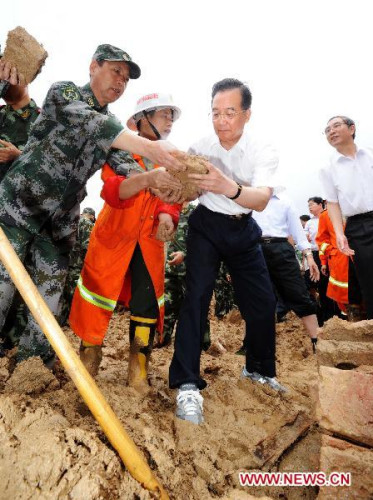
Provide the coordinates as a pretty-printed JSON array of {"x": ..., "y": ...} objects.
[
  {"x": 348, "y": 121},
  {"x": 304, "y": 217},
  {"x": 318, "y": 200},
  {"x": 233, "y": 83}
]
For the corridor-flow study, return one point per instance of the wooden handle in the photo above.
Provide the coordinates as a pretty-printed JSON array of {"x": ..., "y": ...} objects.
[{"x": 100, "y": 408}]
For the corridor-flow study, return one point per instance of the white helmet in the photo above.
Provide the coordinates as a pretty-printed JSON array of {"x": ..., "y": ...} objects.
[{"x": 151, "y": 102}]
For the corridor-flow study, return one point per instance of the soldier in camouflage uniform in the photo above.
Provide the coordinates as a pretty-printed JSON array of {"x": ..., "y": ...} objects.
[
  {"x": 16, "y": 119},
  {"x": 175, "y": 273},
  {"x": 40, "y": 194},
  {"x": 224, "y": 297},
  {"x": 77, "y": 256}
]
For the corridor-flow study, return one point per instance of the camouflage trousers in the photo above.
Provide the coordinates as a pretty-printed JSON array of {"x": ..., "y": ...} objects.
[
  {"x": 47, "y": 265},
  {"x": 224, "y": 295},
  {"x": 175, "y": 289},
  {"x": 68, "y": 294}
]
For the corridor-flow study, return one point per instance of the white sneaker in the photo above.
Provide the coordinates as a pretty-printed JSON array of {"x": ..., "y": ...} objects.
[
  {"x": 262, "y": 379},
  {"x": 189, "y": 404}
]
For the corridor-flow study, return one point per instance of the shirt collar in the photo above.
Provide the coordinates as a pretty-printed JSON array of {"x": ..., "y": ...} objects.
[
  {"x": 91, "y": 100},
  {"x": 339, "y": 156},
  {"x": 240, "y": 146},
  {"x": 24, "y": 112}
]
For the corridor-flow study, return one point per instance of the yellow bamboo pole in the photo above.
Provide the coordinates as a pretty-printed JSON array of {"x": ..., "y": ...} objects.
[{"x": 100, "y": 408}]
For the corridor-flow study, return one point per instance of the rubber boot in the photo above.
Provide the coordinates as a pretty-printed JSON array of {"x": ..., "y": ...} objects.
[
  {"x": 353, "y": 313},
  {"x": 90, "y": 356},
  {"x": 142, "y": 331}
]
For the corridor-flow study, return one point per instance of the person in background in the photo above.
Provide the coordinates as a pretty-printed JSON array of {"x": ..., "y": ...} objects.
[
  {"x": 334, "y": 264},
  {"x": 347, "y": 182},
  {"x": 325, "y": 306},
  {"x": 278, "y": 221}
]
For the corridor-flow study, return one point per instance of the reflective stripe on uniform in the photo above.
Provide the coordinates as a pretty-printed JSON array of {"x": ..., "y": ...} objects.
[
  {"x": 93, "y": 298},
  {"x": 341, "y": 284},
  {"x": 160, "y": 301},
  {"x": 323, "y": 248}
]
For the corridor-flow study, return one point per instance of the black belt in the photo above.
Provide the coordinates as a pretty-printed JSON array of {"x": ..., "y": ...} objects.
[
  {"x": 361, "y": 216},
  {"x": 272, "y": 239},
  {"x": 237, "y": 217}
]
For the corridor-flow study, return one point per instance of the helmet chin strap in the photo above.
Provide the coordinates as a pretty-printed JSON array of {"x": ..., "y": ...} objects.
[{"x": 157, "y": 134}]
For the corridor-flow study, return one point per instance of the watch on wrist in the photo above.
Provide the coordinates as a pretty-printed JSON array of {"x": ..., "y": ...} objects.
[{"x": 239, "y": 189}]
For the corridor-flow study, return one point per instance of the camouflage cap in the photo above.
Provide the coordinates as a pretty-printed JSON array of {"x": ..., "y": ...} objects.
[
  {"x": 107, "y": 52},
  {"x": 89, "y": 210}
]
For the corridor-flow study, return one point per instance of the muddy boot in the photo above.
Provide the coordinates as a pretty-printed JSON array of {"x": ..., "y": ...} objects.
[
  {"x": 142, "y": 331},
  {"x": 90, "y": 356},
  {"x": 314, "y": 344},
  {"x": 353, "y": 313}
]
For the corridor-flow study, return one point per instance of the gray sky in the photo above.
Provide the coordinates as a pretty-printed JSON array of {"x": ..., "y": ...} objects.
[{"x": 304, "y": 62}]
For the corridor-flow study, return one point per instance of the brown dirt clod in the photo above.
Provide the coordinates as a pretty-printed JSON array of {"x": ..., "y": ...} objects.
[{"x": 25, "y": 53}]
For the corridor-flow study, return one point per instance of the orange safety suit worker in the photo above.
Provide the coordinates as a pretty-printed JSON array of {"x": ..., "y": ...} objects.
[
  {"x": 120, "y": 227},
  {"x": 336, "y": 261}
]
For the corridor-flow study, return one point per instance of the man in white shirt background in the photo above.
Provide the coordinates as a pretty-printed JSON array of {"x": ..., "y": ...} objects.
[
  {"x": 221, "y": 228},
  {"x": 348, "y": 186},
  {"x": 278, "y": 221}
]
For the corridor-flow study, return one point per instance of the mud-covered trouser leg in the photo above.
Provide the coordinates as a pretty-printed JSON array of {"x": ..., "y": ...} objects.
[
  {"x": 19, "y": 238},
  {"x": 48, "y": 268}
]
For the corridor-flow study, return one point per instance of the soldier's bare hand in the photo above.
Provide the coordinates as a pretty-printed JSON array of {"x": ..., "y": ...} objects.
[
  {"x": 165, "y": 154},
  {"x": 177, "y": 258},
  {"x": 159, "y": 178},
  {"x": 10, "y": 74},
  {"x": 8, "y": 152}
]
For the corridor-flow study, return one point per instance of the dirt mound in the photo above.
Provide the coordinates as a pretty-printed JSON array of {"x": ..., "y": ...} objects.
[{"x": 50, "y": 443}]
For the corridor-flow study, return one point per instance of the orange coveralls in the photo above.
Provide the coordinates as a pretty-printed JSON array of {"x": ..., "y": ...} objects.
[
  {"x": 334, "y": 259},
  {"x": 120, "y": 226}
]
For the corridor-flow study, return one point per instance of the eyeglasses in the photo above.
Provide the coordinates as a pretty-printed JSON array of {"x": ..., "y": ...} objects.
[
  {"x": 229, "y": 115},
  {"x": 335, "y": 126}
]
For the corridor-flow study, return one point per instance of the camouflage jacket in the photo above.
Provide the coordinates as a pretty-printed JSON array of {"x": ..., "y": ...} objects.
[
  {"x": 178, "y": 244},
  {"x": 68, "y": 143},
  {"x": 15, "y": 125}
]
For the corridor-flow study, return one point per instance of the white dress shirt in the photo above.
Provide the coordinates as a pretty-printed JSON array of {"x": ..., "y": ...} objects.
[
  {"x": 349, "y": 181},
  {"x": 248, "y": 163},
  {"x": 280, "y": 220},
  {"x": 311, "y": 228}
]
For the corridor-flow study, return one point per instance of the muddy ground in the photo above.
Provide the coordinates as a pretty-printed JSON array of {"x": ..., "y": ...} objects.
[{"x": 52, "y": 448}]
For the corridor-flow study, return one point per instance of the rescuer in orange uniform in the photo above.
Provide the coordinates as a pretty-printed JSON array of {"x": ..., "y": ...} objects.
[
  {"x": 335, "y": 260},
  {"x": 124, "y": 257}
]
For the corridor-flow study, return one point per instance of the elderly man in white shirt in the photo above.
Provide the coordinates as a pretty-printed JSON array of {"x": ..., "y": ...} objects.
[
  {"x": 221, "y": 228},
  {"x": 279, "y": 221},
  {"x": 348, "y": 185}
]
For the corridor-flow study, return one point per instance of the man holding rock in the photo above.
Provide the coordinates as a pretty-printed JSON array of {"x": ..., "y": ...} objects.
[
  {"x": 40, "y": 195},
  {"x": 221, "y": 228},
  {"x": 16, "y": 118}
]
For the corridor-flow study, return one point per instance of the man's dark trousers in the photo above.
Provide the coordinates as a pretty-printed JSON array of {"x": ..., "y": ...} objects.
[
  {"x": 359, "y": 233},
  {"x": 213, "y": 237}
]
